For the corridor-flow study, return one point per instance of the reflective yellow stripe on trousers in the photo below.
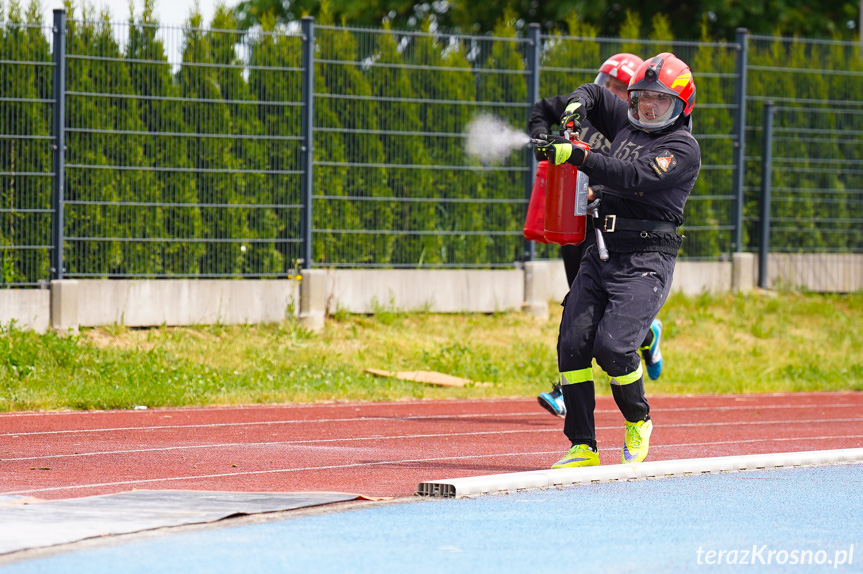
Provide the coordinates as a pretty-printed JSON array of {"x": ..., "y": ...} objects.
[
  {"x": 626, "y": 379},
  {"x": 575, "y": 377}
]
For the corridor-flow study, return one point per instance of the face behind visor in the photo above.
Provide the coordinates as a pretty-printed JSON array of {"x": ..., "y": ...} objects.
[
  {"x": 653, "y": 111},
  {"x": 664, "y": 74},
  {"x": 618, "y": 87}
]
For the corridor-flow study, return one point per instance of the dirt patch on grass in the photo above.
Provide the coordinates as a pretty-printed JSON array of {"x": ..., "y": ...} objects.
[{"x": 104, "y": 340}]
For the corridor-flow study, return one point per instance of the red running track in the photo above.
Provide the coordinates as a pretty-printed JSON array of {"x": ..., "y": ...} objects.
[{"x": 382, "y": 449}]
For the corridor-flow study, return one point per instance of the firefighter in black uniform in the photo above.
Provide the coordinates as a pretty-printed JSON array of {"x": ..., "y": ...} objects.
[
  {"x": 614, "y": 75},
  {"x": 647, "y": 176}
]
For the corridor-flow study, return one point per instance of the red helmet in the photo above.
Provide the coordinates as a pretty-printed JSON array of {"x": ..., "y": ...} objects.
[
  {"x": 620, "y": 66},
  {"x": 661, "y": 74}
]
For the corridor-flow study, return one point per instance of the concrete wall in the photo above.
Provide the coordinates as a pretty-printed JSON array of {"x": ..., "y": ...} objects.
[
  {"x": 548, "y": 282},
  {"x": 441, "y": 291},
  {"x": 28, "y": 308},
  {"x": 71, "y": 304},
  {"x": 149, "y": 303},
  {"x": 824, "y": 272}
]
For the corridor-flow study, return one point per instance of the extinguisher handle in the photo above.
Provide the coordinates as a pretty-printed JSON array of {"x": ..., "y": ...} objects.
[
  {"x": 600, "y": 240},
  {"x": 600, "y": 244}
]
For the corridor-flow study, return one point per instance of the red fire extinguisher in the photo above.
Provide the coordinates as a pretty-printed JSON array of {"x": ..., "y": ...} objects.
[
  {"x": 534, "y": 223},
  {"x": 566, "y": 202}
]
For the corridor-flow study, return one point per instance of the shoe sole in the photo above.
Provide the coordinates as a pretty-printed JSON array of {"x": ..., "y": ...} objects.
[
  {"x": 555, "y": 467},
  {"x": 544, "y": 404}
]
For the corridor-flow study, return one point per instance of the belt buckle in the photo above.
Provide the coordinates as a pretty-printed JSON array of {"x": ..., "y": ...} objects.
[{"x": 609, "y": 219}]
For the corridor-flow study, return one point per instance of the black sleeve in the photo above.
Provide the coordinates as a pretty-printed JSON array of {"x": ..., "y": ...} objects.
[
  {"x": 665, "y": 165},
  {"x": 606, "y": 112},
  {"x": 546, "y": 113}
]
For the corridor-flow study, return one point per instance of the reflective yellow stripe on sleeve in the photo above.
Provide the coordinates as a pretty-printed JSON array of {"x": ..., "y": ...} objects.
[
  {"x": 579, "y": 376},
  {"x": 628, "y": 378}
]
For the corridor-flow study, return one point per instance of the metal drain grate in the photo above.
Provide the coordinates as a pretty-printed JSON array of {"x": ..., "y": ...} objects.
[{"x": 436, "y": 490}]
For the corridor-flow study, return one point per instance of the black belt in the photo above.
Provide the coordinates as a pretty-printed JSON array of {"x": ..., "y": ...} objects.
[{"x": 612, "y": 223}]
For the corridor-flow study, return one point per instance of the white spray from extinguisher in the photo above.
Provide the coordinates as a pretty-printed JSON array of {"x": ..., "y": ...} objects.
[{"x": 491, "y": 140}]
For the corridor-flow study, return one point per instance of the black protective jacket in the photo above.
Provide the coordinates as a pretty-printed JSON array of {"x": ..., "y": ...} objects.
[{"x": 645, "y": 176}]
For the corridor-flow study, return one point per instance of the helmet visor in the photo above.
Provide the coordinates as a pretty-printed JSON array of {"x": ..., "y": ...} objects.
[
  {"x": 613, "y": 84},
  {"x": 651, "y": 111}
]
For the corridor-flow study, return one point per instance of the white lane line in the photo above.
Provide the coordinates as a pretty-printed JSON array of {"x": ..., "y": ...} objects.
[
  {"x": 269, "y": 423},
  {"x": 278, "y": 470},
  {"x": 754, "y": 440},
  {"x": 287, "y": 442},
  {"x": 301, "y": 406},
  {"x": 376, "y": 438},
  {"x": 359, "y": 465},
  {"x": 418, "y": 418},
  {"x": 288, "y": 407}
]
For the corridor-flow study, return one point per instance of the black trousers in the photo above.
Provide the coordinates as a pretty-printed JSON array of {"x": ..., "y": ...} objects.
[
  {"x": 573, "y": 254},
  {"x": 606, "y": 314}
]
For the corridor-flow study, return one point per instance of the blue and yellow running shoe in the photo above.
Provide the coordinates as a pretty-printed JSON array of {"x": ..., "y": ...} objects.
[
  {"x": 553, "y": 402},
  {"x": 651, "y": 353},
  {"x": 578, "y": 455},
  {"x": 636, "y": 442}
]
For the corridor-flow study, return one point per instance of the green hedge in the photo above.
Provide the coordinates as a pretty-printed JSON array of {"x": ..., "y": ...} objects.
[{"x": 210, "y": 150}]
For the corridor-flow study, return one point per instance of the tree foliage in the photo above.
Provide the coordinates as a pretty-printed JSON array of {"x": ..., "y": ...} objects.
[
  {"x": 828, "y": 19},
  {"x": 195, "y": 167},
  {"x": 23, "y": 160}
]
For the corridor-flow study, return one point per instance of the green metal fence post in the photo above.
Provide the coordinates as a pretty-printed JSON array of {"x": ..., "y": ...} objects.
[
  {"x": 308, "y": 26},
  {"x": 59, "y": 145},
  {"x": 766, "y": 164},
  {"x": 740, "y": 137}
]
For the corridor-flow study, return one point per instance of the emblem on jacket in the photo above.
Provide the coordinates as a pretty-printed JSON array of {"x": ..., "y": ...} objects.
[{"x": 663, "y": 163}]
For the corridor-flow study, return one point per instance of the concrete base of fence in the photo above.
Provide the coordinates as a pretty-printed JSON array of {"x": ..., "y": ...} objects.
[
  {"x": 433, "y": 290},
  {"x": 314, "y": 292},
  {"x": 546, "y": 281},
  {"x": 534, "y": 288},
  {"x": 820, "y": 272},
  {"x": 743, "y": 272},
  {"x": 64, "y": 306},
  {"x": 27, "y": 308},
  {"x": 150, "y": 303},
  {"x": 540, "y": 280},
  {"x": 145, "y": 303}
]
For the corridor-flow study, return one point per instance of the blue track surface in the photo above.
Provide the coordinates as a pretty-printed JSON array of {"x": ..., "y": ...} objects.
[{"x": 802, "y": 515}]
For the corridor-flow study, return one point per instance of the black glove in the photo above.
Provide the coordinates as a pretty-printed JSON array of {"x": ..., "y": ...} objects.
[
  {"x": 573, "y": 115},
  {"x": 535, "y": 135},
  {"x": 557, "y": 150},
  {"x": 540, "y": 156}
]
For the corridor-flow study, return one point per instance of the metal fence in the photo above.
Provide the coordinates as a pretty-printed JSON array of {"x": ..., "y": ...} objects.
[
  {"x": 804, "y": 192},
  {"x": 393, "y": 186},
  {"x": 811, "y": 205},
  {"x": 180, "y": 166},
  {"x": 193, "y": 152},
  {"x": 26, "y": 171}
]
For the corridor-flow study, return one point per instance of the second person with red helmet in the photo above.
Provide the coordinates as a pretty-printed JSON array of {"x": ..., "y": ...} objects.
[{"x": 647, "y": 176}]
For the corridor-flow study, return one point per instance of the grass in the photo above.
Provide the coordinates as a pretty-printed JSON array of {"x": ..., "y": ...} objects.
[{"x": 760, "y": 342}]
